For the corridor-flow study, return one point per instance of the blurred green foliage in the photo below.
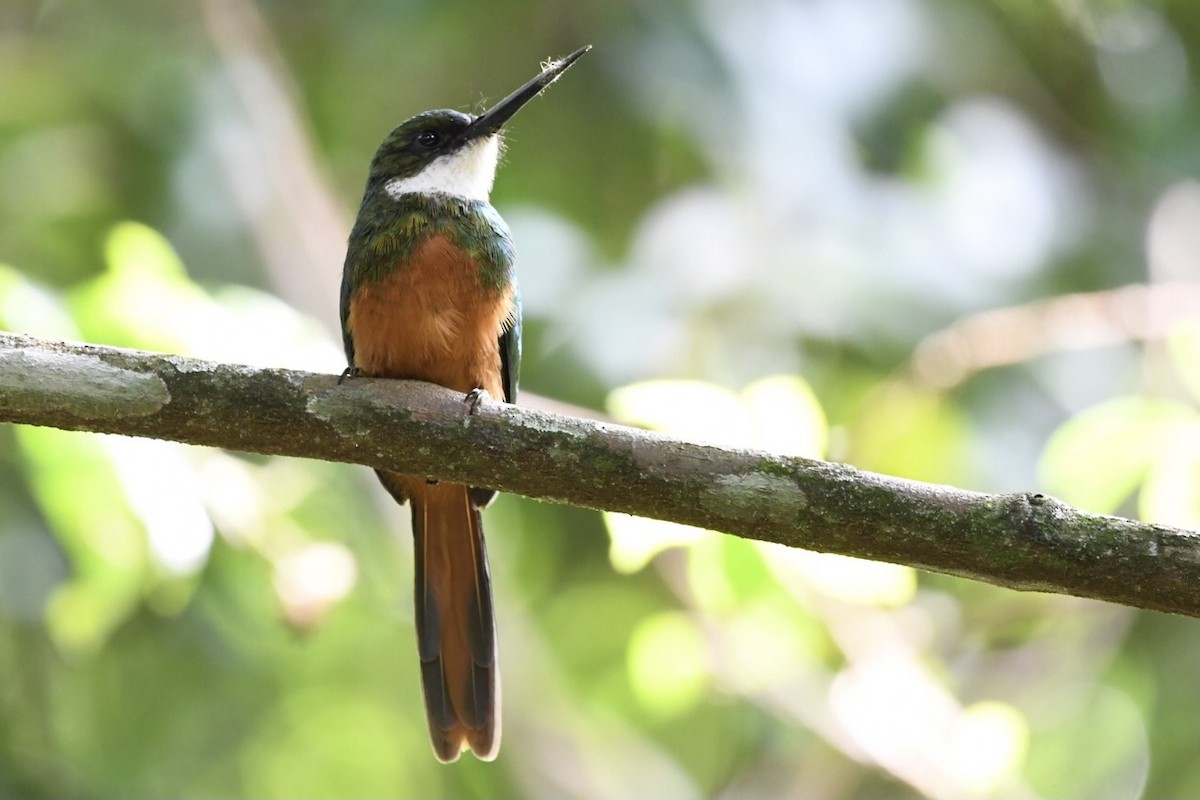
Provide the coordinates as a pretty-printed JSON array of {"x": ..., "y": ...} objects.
[{"x": 743, "y": 222}]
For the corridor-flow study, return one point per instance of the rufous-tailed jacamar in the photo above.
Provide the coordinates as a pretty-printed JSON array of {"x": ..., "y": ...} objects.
[{"x": 429, "y": 293}]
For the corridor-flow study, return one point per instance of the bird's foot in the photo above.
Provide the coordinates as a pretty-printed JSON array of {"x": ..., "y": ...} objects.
[
  {"x": 349, "y": 372},
  {"x": 474, "y": 398}
]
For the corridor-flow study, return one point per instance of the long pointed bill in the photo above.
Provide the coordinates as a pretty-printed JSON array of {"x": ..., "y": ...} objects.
[{"x": 491, "y": 120}]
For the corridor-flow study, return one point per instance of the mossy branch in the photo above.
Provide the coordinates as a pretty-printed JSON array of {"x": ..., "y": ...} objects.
[{"x": 1022, "y": 540}]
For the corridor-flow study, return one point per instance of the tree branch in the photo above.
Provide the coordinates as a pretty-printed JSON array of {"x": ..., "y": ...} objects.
[
  {"x": 1022, "y": 541},
  {"x": 1015, "y": 334}
]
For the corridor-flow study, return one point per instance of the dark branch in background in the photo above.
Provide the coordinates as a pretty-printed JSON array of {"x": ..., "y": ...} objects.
[{"x": 1022, "y": 541}]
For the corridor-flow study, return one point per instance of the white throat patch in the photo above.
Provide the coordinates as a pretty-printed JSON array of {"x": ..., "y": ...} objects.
[{"x": 466, "y": 173}]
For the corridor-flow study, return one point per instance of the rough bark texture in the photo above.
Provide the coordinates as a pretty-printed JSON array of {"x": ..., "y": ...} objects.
[{"x": 1022, "y": 541}]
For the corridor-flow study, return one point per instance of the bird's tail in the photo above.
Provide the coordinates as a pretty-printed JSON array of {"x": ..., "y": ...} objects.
[{"x": 456, "y": 628}]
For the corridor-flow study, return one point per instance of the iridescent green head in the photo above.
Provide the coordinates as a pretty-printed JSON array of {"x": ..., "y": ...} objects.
[{"x": 448, "y": 152}]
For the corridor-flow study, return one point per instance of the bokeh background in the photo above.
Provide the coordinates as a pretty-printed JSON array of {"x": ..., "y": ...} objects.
[{"x": 950, "y": 240}]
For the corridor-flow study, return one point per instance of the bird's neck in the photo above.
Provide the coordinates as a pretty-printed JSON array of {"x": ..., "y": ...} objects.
[
  {"x": 467, "y": 173},
  {"x": 390, "y": 231}
]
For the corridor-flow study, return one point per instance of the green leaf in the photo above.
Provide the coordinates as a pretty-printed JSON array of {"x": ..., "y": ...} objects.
[
  {"x": 1184, "y": 346},
  {"x": 668, "y": 663},
  {"x": 29, "y": 308},
  {"x": 1099, "y": 458},
  {"x": 80, "y": 495},
  {"x": 145, "y": 298},
  {"x": 1171, "y": 493},
  {"x": 913, "y": 433}
]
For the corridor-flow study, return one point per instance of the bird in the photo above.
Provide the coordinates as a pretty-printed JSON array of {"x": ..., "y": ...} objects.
[{"x": 429, "y": 292}]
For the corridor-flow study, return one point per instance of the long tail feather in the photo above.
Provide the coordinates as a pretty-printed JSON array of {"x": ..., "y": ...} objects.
[{"x": 456, "y": 627}]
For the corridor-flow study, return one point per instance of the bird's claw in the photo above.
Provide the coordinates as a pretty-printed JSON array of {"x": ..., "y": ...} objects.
[
  {"x": 349, "y": 372},
  {"x": 475, "y": 398}
]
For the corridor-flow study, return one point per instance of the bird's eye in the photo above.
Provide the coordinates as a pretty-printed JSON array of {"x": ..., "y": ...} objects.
[{"x": 428, "y": 138}]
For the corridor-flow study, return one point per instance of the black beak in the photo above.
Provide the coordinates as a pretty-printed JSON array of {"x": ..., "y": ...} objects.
[{"x": 491, "y": 120}]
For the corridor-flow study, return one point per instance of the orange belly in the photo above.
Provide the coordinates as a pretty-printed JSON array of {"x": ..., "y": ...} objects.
[{"x": 431, "y": 320}]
